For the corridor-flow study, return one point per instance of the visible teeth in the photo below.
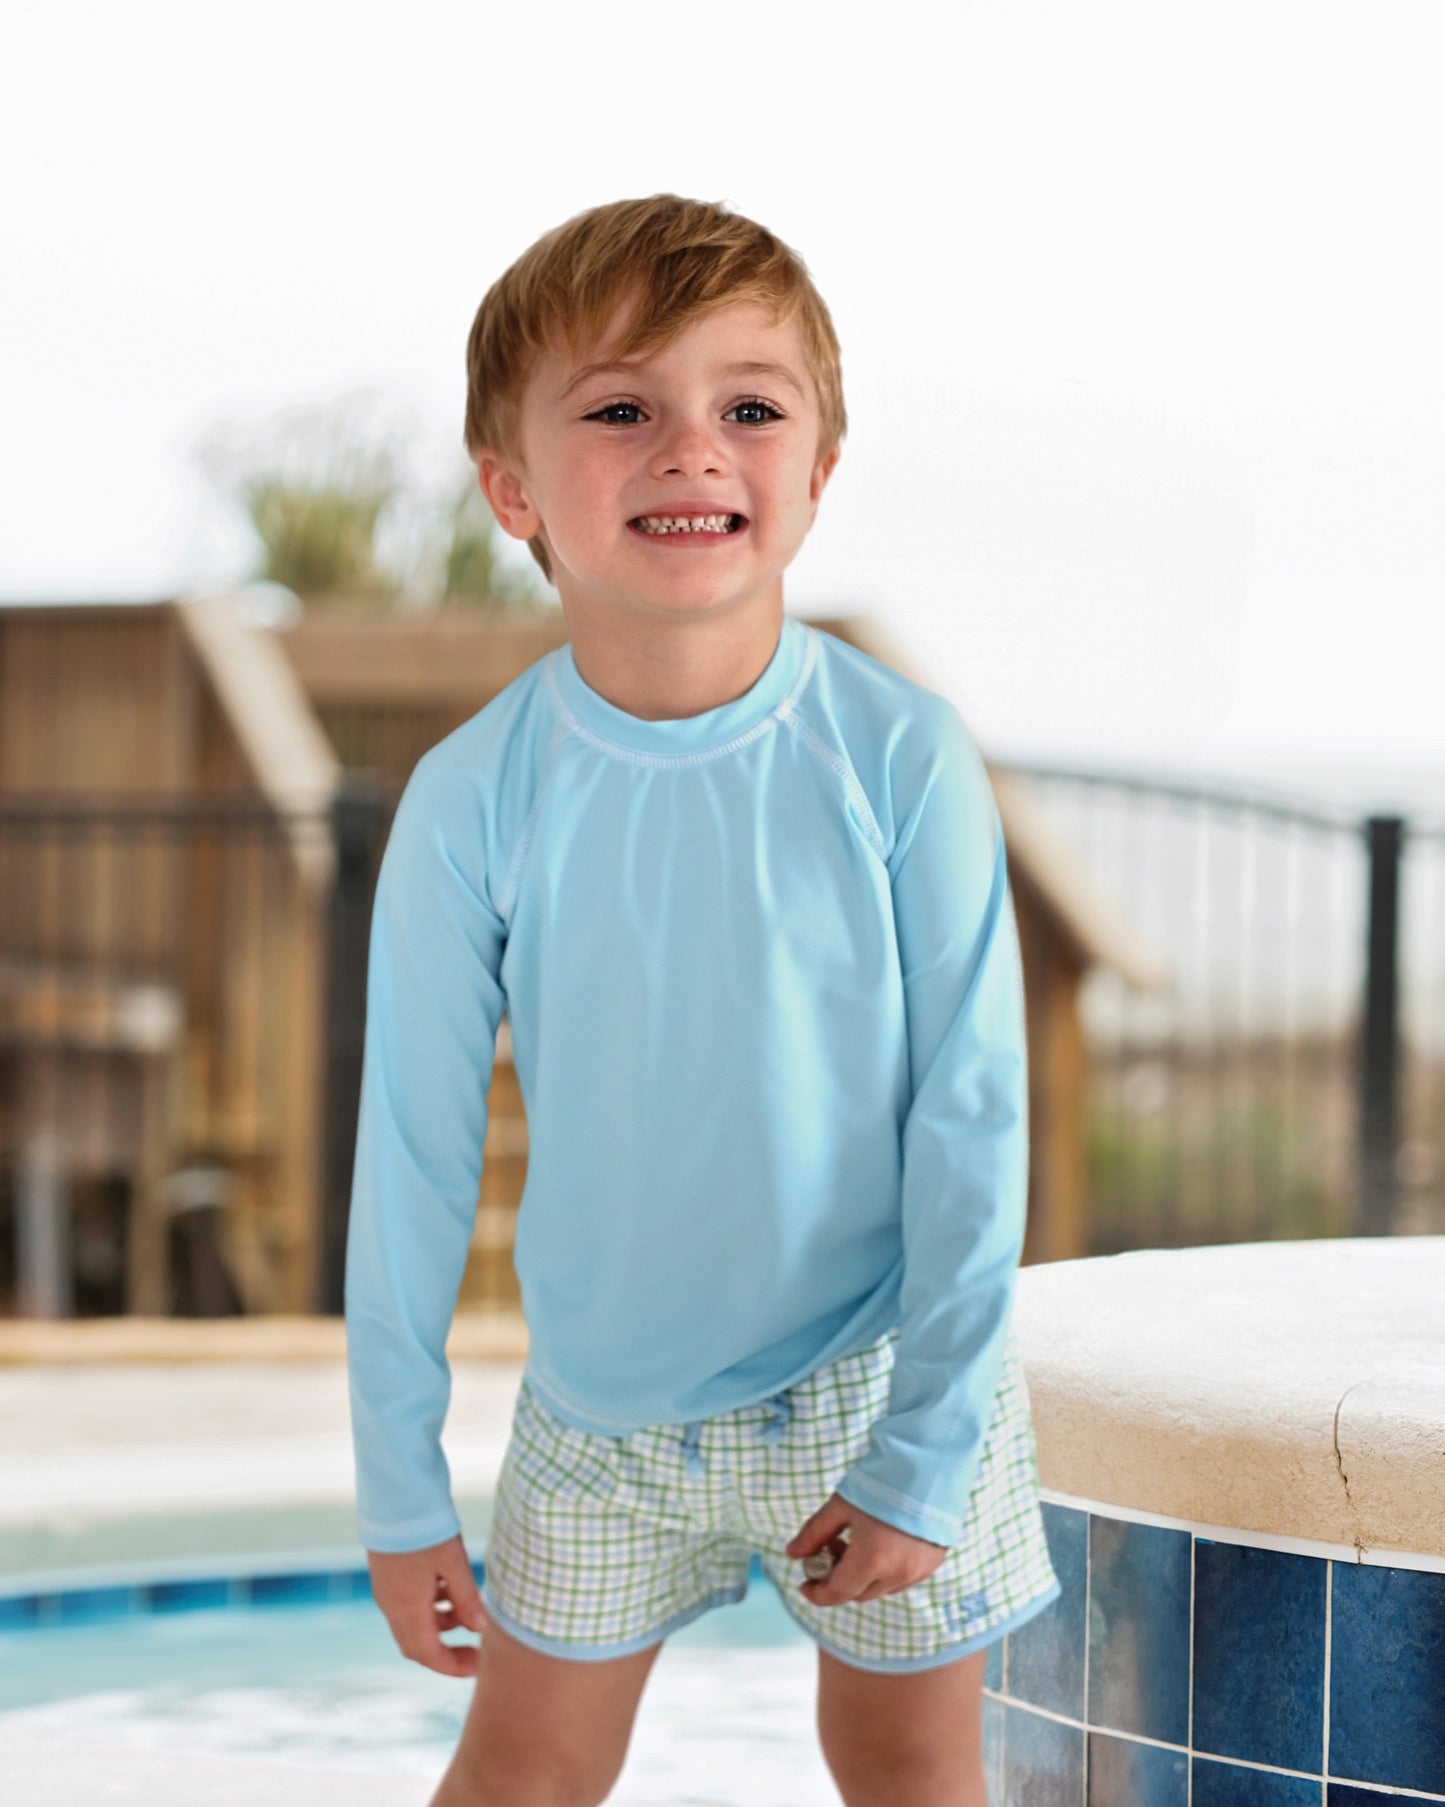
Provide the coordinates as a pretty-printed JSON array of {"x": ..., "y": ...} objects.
[{"x": 680, "y": 523}]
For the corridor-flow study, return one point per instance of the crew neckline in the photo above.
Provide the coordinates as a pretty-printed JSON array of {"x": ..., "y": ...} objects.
[{"x": 682, "y": 737}]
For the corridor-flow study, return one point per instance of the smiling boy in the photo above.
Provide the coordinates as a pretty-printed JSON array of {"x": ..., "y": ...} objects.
[{"x": 742, "y": 893}]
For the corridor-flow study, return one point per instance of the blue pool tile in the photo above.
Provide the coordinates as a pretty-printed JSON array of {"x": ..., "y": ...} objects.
[
  {"x": 186, "y": 1596},
  {"x": 1387, "y": 1676},
  {"x": 18, "y": 1610},
  {"x": 1259, "y": 1655},
  {"x": 1046, "y": 1653},
  {"x": 1125, "y": 1774},
  {"x": 1343, "y": 1795},
  {"x": 266, "y": 1590},
  {"x": 85, "y": 1604},
  {"x": 1139, "y": 1629},
  {"x": 360, "y": 1587},
  {"x": 1232, "y": 1785},
  {"x": 1043, "y": 1761}
]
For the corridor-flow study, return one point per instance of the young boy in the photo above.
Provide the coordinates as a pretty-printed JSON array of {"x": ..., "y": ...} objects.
[{"x": 741, "y": 891}]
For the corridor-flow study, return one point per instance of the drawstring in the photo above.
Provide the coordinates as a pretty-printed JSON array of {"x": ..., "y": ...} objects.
[
  {"x": 780, "y": 1408},
  {"x": 696, "y": 1467}
]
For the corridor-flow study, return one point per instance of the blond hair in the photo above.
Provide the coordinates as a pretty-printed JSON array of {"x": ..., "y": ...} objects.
[{"x": 681, "y": 259}]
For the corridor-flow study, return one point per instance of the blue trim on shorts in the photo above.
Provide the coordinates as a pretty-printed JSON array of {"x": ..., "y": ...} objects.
[
  {"x": 601, "y": 1653},
  {"x": 910, "y": 1665}
]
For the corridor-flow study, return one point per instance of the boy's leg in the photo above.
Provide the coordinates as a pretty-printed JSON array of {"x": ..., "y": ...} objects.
[
  {"x": 543, "y": 1731},
  {"x": 910, "y": 1739}
]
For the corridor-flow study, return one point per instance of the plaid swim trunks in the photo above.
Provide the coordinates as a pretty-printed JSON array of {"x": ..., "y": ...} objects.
[{"x": 601, "y": 1546}]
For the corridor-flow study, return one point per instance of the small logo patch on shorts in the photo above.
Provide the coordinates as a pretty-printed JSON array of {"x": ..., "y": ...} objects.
[{"x": 960, "y": 1614}]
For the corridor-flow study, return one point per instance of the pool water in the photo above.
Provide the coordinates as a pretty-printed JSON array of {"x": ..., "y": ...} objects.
[{"x": 727, "y": 1718}]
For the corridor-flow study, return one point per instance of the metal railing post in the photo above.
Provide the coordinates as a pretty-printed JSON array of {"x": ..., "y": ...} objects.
[
  {"x": 358, "y": 822},
  {"x": 1380, "y": 1030}
]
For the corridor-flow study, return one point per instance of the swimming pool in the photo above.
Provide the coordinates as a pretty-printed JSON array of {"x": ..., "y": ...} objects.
[{"x": 293, "y": 1661}]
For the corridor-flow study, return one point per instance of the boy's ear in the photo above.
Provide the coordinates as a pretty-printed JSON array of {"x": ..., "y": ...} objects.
[
  {"x": 503, "y": 487},
  {"x": 821, "y": 473}
]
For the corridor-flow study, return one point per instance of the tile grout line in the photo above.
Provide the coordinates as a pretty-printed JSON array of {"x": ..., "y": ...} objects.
[
  {"x": 1325, "y": 1716},
  {"x": 1189, "y": 1729},
  {"x": 1105, "y": 1731},
  {"x": 1088, "y": 1607}
]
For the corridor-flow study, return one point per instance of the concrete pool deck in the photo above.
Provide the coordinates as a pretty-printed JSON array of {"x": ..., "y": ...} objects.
[{"x": 127, "y": 1440}]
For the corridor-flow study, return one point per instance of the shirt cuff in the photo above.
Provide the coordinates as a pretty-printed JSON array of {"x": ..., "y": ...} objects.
[
  {"x": 414, "y": 1534},
  {"x": 904, "y": 1514}
]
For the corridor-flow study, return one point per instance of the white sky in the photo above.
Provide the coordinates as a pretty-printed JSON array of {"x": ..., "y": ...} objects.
[{"x": 1140, "y": 311}]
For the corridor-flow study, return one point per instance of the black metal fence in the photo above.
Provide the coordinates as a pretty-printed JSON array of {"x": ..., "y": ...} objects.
[
  {"x": 182, "y": 984},
  {"x": 1289, "y": 1082}
]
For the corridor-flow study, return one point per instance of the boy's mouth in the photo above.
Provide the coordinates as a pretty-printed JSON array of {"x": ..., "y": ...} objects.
[{"x": 713, "y": 526}]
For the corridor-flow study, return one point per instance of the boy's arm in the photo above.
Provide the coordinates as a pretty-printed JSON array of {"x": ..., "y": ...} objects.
[
  {"x": 434, "y": 1001},
  {"x": 965, "y": 1144}
]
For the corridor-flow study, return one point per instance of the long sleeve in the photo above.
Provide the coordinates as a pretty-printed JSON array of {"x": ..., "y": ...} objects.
[
  {"x": 434, "y": 1002},
  {"x": 964, "y": 1143}
]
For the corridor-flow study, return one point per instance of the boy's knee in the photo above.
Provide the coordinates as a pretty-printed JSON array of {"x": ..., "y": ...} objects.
[
  {"x": 503, "y": 1777},
  {"x": 544, "y": 1731}
]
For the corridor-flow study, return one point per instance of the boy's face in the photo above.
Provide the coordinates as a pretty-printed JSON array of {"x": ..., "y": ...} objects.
[{"x": 684, "y": 431}]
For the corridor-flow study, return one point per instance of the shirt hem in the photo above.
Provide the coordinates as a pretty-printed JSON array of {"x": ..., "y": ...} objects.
[{"x": 559, "y": 1401}]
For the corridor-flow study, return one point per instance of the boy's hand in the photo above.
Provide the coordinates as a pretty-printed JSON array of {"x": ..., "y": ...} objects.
[
  {"x": 424, "y": 1593},
  {"x": 877, "y": 1559}
]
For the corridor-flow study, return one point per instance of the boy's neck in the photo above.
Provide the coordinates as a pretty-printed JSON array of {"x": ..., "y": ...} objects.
[{"x": 678, "y": 669}]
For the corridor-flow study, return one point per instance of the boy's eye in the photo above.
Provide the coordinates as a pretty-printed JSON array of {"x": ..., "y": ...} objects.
[
  {"x": 768, "y": 412},
  {"x": 767, "y": 408}
]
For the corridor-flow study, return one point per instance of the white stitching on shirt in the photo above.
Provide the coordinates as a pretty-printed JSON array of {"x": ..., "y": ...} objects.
[
  {"x": 866, "y": 1484},
  {"x": 507, "y": 894},
  {"x": 774, "y": 715},
  {"x": 843, "y": 770}
]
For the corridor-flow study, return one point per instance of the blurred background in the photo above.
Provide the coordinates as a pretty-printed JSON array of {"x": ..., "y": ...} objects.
[{"x": 1139, "y": 313}]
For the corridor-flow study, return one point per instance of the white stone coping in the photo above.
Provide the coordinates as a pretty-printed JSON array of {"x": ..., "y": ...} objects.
[{"x": 1291, "y": 1390}]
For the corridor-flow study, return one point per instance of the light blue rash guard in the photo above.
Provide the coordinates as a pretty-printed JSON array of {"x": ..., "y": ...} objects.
[{"x": 762, "y": 972}]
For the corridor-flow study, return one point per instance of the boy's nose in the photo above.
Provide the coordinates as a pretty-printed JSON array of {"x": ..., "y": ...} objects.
[{"x": 689, "y": 449}]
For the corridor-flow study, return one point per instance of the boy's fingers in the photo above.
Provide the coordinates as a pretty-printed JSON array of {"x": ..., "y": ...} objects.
[
  {"x": 457, "y": 1659},
  {"x": 423, "y": 1644},
  {"x": 819, "y": 1565},
  {"x": 466, "y": 1598},
  {"x": 423, "y": 1593},
  {"x": 451, "y": 1659},
  {"x": 824, "y": 1525},
  {"x": 450, "y": 1618},
  {"x": 841, "y": 1584}
]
